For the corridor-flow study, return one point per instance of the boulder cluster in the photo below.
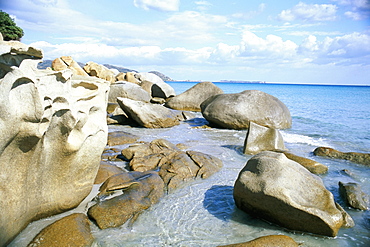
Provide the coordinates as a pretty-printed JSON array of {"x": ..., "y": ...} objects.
[{"x": 55, "y": 146}]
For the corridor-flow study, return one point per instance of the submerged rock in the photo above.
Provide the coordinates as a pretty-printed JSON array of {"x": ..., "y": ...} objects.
[
  {"x": 280, "y": 190},
  {"x": 121, "y": 137},
  {"x": 267, "y": 241},
  {"x": 191, "y": 99},
  {"x": 260, "y": 138},
  {"x": 354, "y": 196},
  {"x": 72, "y": 230},
  {"x": 359, "y": 158},
  {"x": 50, "y": 122},
  {"x": 141, "y": 190},
  {"x": 236, "y": 111}
]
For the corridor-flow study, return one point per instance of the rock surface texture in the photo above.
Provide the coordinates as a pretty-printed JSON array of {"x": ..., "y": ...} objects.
[
  {"x": 235, "y": 111},
  {"x": 260, "y": 138},
  {"x": 280, "y": 190},
  {"x": 191, "y": 99},
  {"x": 354, "y": 196},
  {"x": 359, "y": 158},
  {"x": 73, "y": 230},
  {"x": 267, "y": 241},
  {"x": 49, "y": 124}
]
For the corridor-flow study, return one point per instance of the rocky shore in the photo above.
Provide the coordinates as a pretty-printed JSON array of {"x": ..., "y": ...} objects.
[{"x": 56, "y": 146}]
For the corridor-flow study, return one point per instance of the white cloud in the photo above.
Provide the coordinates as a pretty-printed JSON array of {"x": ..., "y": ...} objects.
[
  {"x": 309, "y": 12},
  {"x": 250, "y": 14},
  {"x": 203, "y": 5},
  {"x": 160, "y": 5},
  {"x": 357, "y": 9}
]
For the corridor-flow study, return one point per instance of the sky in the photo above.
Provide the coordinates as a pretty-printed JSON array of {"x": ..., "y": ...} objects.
[{"x": 318, "y": 42}]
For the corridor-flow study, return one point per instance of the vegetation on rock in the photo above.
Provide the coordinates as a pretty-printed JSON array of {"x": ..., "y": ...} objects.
[{"x": 8, "y": 28}]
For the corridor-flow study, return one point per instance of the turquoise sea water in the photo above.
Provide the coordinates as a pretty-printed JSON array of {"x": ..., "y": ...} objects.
[{"x": 203, "y": 213}]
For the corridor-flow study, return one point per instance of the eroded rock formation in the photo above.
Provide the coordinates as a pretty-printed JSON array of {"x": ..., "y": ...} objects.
[{"x": 50, "y": 122}]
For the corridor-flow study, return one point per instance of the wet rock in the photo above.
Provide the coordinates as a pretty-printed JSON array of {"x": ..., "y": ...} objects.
[
  {"x": 140, "y": 191},
  {"x": 311, "y": 165},
  {"x": 148, "y": 115},
  {"x": 106, "y": 171},
  {"x": 191, "y": 99},
  {"x": 236, "y": 111},
  {"x": 359, "y": 158},
  {"x": 354, "y": 196},
  {"x": 279, "y": 190},
  {"x": 260, "y": 138},
  {"x": 267, "y": 241},
  {"x": 72, "y": 230},
  {"x": 208, "y": 164},
  {"x": 120, "y": 138}
]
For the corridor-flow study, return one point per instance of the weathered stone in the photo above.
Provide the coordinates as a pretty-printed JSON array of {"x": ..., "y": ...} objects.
[
  {"x": 311, "y": 165},
  {"x": 67, "y": 62},
  {"x": 58, "y": 64},
  {"x": 148, "y": 115},
  {"x": 260, "y": 138},
  {"x": 100, "y": 71},
  {"x": 354, "y": 196},
  {"x": 236, "y": 111},
  {"x": 277, "y": 189},
  {"x": 191, "y": 99},
  {"x": 159, "y": 88},
  {"x": 121, "y": 76},
  {"x": 267, "y": 241},
  {"x": 359, "y": 158},
  {"x": 141, "y": 190},
  {"x": 72, "y": 230},
  {"x": 106, "y": 171},
  {"x": 127, "y": 90},
  {"x": 50, "y": 124},
  {"x": 120, "y": 138},
  {"x": 208, "y": 164},
  {"x": 131, "y": 77}
]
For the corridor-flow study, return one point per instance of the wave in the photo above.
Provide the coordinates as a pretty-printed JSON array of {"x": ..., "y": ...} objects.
[{"x": 296, "y": 138}]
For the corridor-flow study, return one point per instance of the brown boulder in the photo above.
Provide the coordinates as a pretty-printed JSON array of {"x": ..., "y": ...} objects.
[
  {"x": 72, "y": 230},
  {"x": 141, "y": 190},
  {"x": 106, "y": 171},
  {"x": 100, "y": 71},
  {"x": 120, "y": 138},
  {"x": 267, "y": 241},
  {"x": 359, "y": 158}
]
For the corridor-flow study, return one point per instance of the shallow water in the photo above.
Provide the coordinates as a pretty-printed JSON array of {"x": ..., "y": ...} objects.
[{"x": 203, "y": 213}]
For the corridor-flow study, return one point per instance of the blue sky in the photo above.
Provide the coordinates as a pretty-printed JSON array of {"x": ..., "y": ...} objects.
[{"x": 324, "y": 42}]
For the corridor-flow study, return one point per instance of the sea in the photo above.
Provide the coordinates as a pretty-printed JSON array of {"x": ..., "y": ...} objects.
[{"x": 203, "y": 212}]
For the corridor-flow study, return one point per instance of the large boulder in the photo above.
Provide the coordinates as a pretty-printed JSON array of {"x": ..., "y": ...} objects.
[
  {"x": 141, "y": 190},
  {"x": 127, "y": 90},
  {"x": 260, "y": 138},
  {"x": 236, "y": 111},
  {"x": 159, "y": 88},
  {"x": 67, "y": 62},
  {"x": 191, "y": 99},
  {"x": 148, "y": 115},
  {"x": 72, "y": 230},
  {"x": 49, "y": 124},
  {"x": 100, "y": 71},
  {"x": 311, "y": 165},
  {"x": 359, "y": 158},
  {"x": 277, "y": 189}
]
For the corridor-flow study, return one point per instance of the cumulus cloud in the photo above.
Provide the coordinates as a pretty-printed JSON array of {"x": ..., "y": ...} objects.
[
  {"x": 309, "y": 12},
  {"x": 160, "y": 5}
]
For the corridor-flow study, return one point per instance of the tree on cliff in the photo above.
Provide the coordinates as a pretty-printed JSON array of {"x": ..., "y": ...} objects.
[{"x": 8, "y": 28}]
